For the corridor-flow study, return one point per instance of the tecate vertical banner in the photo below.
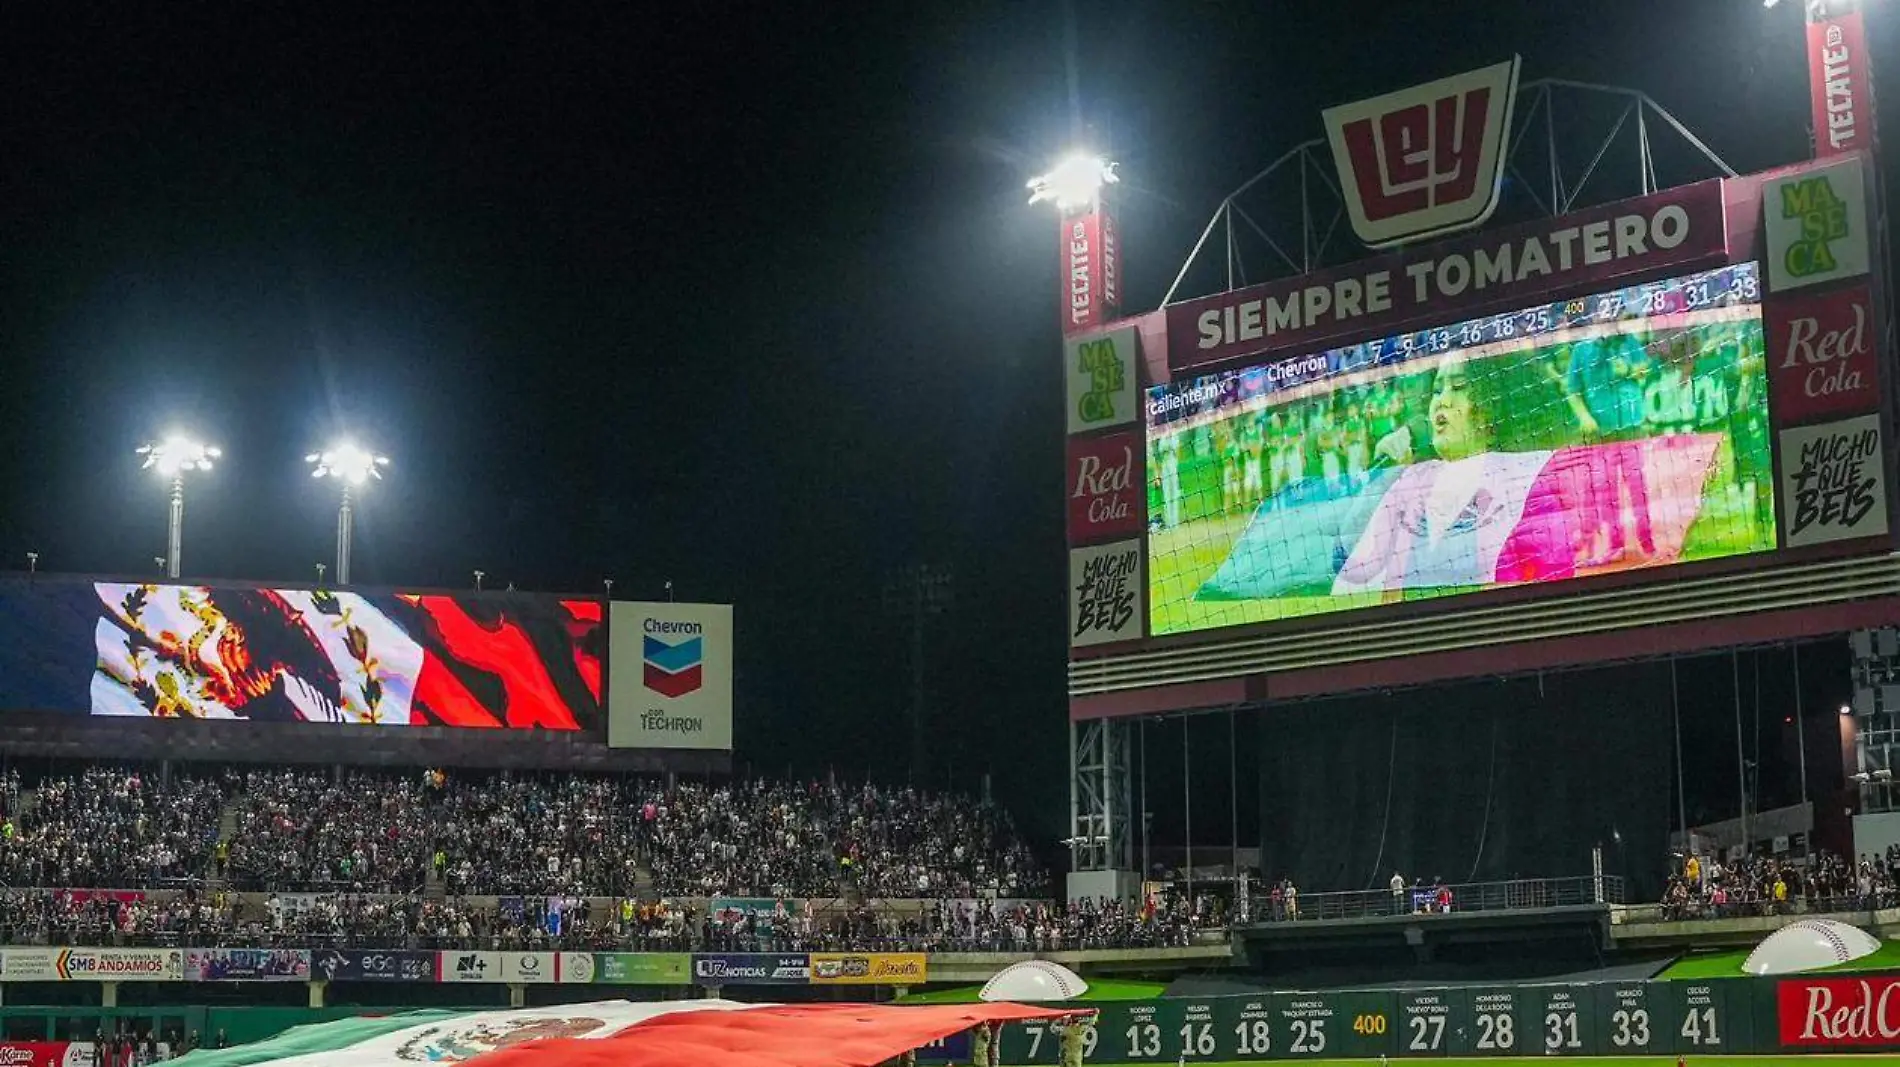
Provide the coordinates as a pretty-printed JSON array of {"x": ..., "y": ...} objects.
[
  {"x": 1427, "y": 160},
  {"x": 671, "y": 680},
  {"x": 1091, "y": 268},
  {"x": 1841, "y": 84}
]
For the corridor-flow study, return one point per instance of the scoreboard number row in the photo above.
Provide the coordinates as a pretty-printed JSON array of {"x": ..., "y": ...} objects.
[{"x": 1625, "y": 1018}]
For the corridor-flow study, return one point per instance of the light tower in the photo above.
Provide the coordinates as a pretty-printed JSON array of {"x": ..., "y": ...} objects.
[
  {"x": 354, "y": 467},
  {"x": 173, "y": 458},
  {"x": 1090, "y": 239}
]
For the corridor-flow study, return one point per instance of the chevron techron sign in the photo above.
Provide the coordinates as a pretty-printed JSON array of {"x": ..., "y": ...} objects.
[
  {"x": 672, "y": 668},
  {"x": 670, "y": 676}
]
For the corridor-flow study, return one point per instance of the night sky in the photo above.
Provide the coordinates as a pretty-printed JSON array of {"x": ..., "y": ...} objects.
[{"x": 742, "y": 296}]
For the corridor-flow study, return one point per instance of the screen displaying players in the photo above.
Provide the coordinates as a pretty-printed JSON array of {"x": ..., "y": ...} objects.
[{"x": 1622, "y": 431}]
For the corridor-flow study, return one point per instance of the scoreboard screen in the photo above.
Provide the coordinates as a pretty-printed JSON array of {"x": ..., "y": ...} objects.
[
  {"x": 1624, "y": 431},
  {"x": 1598, "y": 1019}
]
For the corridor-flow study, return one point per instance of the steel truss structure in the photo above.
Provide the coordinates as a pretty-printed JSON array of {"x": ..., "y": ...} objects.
[{"x": 1573, "y": 145}]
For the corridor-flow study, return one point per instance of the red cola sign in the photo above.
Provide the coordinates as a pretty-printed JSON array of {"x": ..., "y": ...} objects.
[
  {"x": 1821, "y": 354},
  {"x": 1839, "y": 1012},
  {"x": 1106, "y": 488}
]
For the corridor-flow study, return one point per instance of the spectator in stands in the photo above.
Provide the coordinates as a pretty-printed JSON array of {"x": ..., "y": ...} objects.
[
  {"x": 112, "y": 827},
  {"x": 1767, "y": 885}
]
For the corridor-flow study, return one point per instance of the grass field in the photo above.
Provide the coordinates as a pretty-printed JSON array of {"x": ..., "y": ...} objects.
[{"x": 1729, "y": 964}]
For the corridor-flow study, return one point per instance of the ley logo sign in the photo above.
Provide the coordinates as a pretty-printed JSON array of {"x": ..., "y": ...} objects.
[
  {"x": 1816, "y": 224},
  {"x": 1424, "y": 161}
]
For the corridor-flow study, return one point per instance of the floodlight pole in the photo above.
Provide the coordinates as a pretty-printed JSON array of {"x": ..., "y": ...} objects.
[
  {"x": 344, "y": 513},
  {"x": 175, "y": 533}
]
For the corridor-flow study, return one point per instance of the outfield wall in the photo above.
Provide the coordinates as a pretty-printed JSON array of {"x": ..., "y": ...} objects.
[{"x": 1727, "y": 1017}]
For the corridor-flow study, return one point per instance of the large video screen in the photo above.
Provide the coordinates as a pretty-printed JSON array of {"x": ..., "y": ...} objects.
[
  {"x": 498, "y": 661},
  {"x": 1622, "y": 431}
]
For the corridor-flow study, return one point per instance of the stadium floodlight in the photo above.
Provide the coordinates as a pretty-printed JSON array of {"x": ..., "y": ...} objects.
[
  {"x": 173, "y": 458},
  {"x": 353, "y": 466},
  {"x": 1073, "y": 183}
]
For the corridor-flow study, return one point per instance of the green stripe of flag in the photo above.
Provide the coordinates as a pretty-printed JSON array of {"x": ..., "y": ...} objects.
[{"x": 311, "y": 1037}]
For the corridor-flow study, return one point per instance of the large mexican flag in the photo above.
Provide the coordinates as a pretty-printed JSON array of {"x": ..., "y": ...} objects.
[{"x": 679, "y": 1033}]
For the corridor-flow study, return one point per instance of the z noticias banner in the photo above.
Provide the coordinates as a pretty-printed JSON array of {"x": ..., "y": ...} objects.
[
  {"x": 751, "y": 968},
  {"x": 247, "y": 965}
]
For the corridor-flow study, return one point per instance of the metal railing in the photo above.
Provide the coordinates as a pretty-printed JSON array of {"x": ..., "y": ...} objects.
[{"x": 1523, "y": 894}]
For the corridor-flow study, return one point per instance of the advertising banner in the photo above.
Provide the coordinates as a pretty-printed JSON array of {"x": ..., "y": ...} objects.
[
  {"x": 1427, "y": 160},
  {"x": 1588, "y": 436},
  {"x": 1104, "y": 593},
  {"x": 574, "y": 968},
  {"x": 372, "y": 965},
  {"x": 531, "y": 968},
  {"x": 1833, "y": 482},
  {"x": 1677, "y": 229},
  {"x": 643, "y": 968},
  {"x": 751, "y": 968},
  {"x": 1106, "y": 487},
  {"x": 1091, "y": 268},
  {"x": 1840, "y": 84},
  {"x": 509, "y": 661},
  {"x": 1821, "y": 354},
  {"x": 119, "y": 964},
  {"x": 47, "y": 1054},
  {"x": 468, "y": 967},
  {"x": 869, "y": 968},
  {"x": 1815, "y": 221},
  {"x": 1103, "y": 380},
  {"x": 672, "y": 676},
  {"x": 247, "y": 965},
  {"x": 1834, "y": 1013},
  {"x": 29, "y": 965}
]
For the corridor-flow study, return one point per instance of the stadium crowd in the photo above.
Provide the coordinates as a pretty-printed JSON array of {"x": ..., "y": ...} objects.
[
  {"x": 323, "y": 831},
  {"x": 109, "y": 827},
  {"x": 1770, "y": 885},
  {"x": 434, "y": 860}
]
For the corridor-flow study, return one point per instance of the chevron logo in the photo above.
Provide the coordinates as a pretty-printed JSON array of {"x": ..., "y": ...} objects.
[{"x": 672, "y": 670}]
